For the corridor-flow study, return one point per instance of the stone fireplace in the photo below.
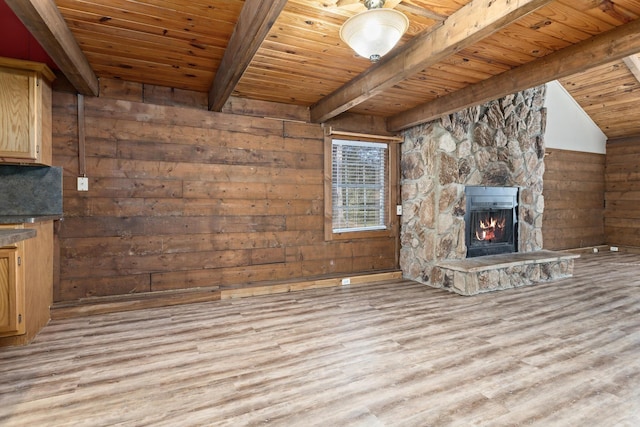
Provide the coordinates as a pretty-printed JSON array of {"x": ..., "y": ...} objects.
[{"x": 499, "y": 144}]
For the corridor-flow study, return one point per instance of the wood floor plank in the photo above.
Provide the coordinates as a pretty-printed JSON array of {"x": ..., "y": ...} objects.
[{"x": 394, "y": 353}]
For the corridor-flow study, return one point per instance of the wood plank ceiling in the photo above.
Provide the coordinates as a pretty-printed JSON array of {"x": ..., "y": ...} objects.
[{"x": 455, "y": 53}]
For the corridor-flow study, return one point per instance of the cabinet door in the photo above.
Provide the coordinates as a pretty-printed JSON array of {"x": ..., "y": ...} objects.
[
  {"x": 18, "y": 114},
  {"x": 11, "y": 293}
]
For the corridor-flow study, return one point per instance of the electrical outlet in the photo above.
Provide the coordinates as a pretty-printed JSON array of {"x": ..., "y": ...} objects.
[
  {"x": 613, "y": 249},
  {"x": 83, "y": 183},
  {"x": 346, "y": 281}
]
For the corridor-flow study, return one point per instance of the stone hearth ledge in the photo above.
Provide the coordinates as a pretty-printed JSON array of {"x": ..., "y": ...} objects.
[{"x": 472, "y": 276}]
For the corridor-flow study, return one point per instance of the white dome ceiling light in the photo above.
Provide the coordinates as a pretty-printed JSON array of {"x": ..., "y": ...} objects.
[{"x": 374, "y": 32}]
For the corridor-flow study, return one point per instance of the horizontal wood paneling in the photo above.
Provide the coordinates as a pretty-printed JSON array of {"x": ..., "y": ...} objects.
[
  {"x": 574, "y": 199},
  {"x": 181, "y": 198},
  {"x": 622, "y": 215}
]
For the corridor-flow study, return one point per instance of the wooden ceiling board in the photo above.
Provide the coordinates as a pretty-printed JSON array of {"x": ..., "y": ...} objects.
[
  {"x": 109, "y": 27},
  {"x": 468, "y": 66},
  {"x": 431, "y": 84},
  {"x": 444, "y": 7},
  {"x": 124, "y": 41},
  {"x": 496, "y": 54},
  {"x": 147, "y": 20},
  {"x": 188, "y": 43},
  {"x": 583, "y": 83},
  {"x": 500, "y": 51},
  {"x": 289, "y": 65},
  {"x": 300, "y": 56},
  {"x": 153, "y": 73},
  {"x": 135, "y": 62},
  {"x": 533, "y": 37},
  {"x": 461, "y": 70},
  {"x": 304, "y": 57},
  {"x": 609, "y": 94},
  {"x": 530, "y": 39},
  {"x": 278, "y": 71},
  {"x": 173, "y": 53},
  {"x": 175, "y": 10},
  {"x": 180, "y": 43},
  {"x": 619, "y": 11},
  {"x": 573, "y": 17},
  {"x": 308, "y": 34},
  {"x": 556, "y": 28}
]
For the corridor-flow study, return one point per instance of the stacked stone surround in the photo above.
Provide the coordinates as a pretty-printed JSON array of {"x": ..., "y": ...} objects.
[{"x": 497, "y": 144}]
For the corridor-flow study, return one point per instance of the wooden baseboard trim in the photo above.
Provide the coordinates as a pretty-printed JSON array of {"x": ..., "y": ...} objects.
[
  {"x": 113, "y": 304},
  {"x": 284, "y": 287},
  {"x": 587, "y": 249},
  {"x": 629, "y": 249},
  {"x": 605, "y": 248}
]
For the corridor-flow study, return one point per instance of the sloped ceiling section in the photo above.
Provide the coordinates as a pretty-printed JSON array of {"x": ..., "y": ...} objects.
[{"x": 456, "y": 53}]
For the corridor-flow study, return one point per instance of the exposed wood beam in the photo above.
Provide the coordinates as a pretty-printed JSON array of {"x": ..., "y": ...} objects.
[
  {"x": 420, "y": 11},
  {"x": 633, "y": 62},
  {"x": 256, "y": 19},
  {"x": 470, "y": 24},
  {"x": 43, "y": 19},
  {"x": 598, "y": 50}
]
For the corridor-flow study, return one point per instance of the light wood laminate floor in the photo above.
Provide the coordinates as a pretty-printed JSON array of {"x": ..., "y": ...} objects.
[{"x": 392, "y": 354}]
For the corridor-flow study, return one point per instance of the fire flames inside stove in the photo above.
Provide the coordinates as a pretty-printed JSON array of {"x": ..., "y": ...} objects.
[{"x": 490, "y": 226}]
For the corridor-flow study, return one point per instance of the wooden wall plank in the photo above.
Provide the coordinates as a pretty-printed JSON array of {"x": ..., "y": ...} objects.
[
  {"x": 182, "y": 197},
  {"x": 574, "y": 199},
  {"x": 622, "y": 214}
]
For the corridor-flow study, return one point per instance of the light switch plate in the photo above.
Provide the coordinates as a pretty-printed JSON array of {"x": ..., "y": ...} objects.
[
  {"x": 398, "y": 209},
  {"x": 83, "y": 183}
]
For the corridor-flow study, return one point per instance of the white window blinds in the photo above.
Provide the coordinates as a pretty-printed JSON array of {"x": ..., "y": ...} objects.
[{"x": 359, "y": 185}]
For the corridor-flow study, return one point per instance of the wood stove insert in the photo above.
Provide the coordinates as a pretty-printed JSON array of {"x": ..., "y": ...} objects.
[{"x": 491, "y": 220}]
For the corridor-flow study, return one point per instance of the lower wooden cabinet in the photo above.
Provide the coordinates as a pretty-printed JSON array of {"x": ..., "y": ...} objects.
[
  {"x": 26, "y": 284},
  {"x": 12, "y": 305}
]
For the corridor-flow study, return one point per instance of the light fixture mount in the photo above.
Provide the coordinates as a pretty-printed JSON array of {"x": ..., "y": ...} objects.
[
  {"x": 374, "y": 32},
  {"x": 373, "y": 4}
]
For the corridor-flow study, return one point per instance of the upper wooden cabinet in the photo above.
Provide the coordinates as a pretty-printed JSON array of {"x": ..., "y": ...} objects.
[{"x": 25, "y": 112}]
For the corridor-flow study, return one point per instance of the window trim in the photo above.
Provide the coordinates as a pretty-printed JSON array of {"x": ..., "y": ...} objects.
[{"x": 391, "y": 219}]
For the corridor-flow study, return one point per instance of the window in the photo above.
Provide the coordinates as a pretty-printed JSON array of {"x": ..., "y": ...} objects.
[
  {"x": 359, "y": 191},
  {"x": 359, "y": 188}
]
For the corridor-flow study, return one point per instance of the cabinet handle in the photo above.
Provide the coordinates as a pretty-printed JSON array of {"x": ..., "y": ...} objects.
[{"x": 19, "y": 261}]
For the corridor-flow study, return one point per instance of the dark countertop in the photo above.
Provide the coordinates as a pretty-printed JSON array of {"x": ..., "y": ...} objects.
[
  {"x": 27, "y": 219},
  {"x": 9, "y": 237}
]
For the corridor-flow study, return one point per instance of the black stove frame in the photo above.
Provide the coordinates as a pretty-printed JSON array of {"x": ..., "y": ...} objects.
[{"x": 491, "y": 199}]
